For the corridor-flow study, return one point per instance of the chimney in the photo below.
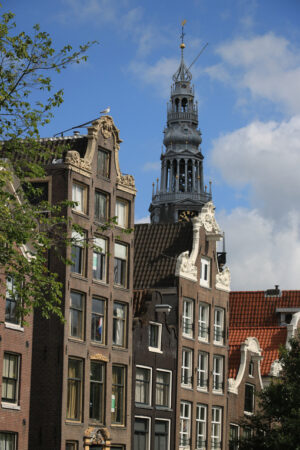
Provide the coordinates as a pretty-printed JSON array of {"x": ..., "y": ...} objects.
[{"x": 273, "y": 292}]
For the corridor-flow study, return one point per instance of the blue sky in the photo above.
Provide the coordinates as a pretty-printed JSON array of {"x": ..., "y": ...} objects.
[{"x": 247, "y": 82}]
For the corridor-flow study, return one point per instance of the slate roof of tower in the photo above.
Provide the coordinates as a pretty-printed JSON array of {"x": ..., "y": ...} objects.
[
  {"x": 254, "y": 309},
  {"x": 269, "y": 338},
  {"x": 156, "y": 248}
]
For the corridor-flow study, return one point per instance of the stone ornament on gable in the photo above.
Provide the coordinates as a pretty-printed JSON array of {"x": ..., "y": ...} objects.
[
  {"x": 208, "y": 221},
  {"x": 106, "y": 127},
  {"x": 276, "y": 368},
  {"x": 73, "y": 157},
  {"x": 185, "y": 267},
  {"x": 223, "y": 280},
  {"x": 126, "y": 180}
]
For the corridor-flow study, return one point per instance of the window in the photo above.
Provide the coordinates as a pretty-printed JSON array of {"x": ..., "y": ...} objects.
[
  {"x": 141, "y": 433},
  {"x": 233, "y": 437},
  {"x": 249, "y": 398},
  {"x": 101, "y": 206},
  {"x": 161, "y": 435},
  {"x": 79, "y": 195},
  {"x": 202, "y": 378},
  {"x": 118, "y": 395},
  {"x": 219, "y": 326},
  {"x": 11, "y": 378},
  {"x": 100, "y": 259},
  {"x": 216, "y": 428},
  {"x": 205, "y": 272},
  {"x": 185, "y": 424},
  {"x": 76, "y": 329},
  {"x": 11, "y": 302},
  {"x": 122, "y": 213},
  {"x": 98, "y": 320},
  {"x": 97, "y": 390},
  {"x": 218, "y": 373},
  {"x": 203, "y": 322},
  {"x": 187, "y": 367},
  {"x": 77, "y": 252},
  {"x": 74, "y": 399},
  {"x": 201, "y": 425},
  {"x": 251, "y": 369},
  {"x": 103, "y": 163},
  {"x": 143, "y": 385},
  {"x": 119, "y": 324},
  {"x": 72, "y": 445},
  {"x": 120, "y": 265},
  {"x": 187, "y": 317},
  {"x": 163, "y": 388},
  {"x": 155, "y": 330},
  {"x": 8, "y": 441}
]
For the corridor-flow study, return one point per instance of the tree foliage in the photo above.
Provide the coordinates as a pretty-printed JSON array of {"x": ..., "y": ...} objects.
[{"x": 277, "y": 424}]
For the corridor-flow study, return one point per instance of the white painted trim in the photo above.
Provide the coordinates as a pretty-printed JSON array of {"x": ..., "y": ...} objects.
[
  {"x": 170, "y": 386},
  {"x": 169, "y": 429},
  {"x": 138, "y": 366},
  {"x": 149, "y": 427}
]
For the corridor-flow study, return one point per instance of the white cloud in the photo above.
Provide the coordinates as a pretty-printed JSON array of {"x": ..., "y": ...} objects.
[
  {"x": 266, "y": 158},
  {"x": 145, "y": 219},
  {"x": 266, "y": 66},
  {"x": 151, "y": 166},
  {"x": 259, "y": 254}
]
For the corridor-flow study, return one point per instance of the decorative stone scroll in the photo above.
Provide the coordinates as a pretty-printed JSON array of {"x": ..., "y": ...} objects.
[
  {"x": 99, "y": 357},
  {"x": 73, "y": 158},
  {"x": 106, "y": 127},
  {"x": 223, "y": 280},
  {"x": 126, "y": 180},
  {"x": 208, "y": 221},
  {"x": 97, "y": 436}
]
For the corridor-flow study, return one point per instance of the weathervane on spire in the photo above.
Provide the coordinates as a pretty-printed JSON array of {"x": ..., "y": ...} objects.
[{"x": 182, "y": 45}]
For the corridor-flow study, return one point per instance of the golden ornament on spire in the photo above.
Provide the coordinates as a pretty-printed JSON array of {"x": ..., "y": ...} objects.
[{"x": 182, "y": 45}]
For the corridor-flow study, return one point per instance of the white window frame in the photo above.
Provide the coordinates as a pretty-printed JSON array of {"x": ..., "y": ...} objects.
[
  {"x": 81, "y": 207},
  {"x": 203, "y": 322},
  {"x": 125, "y": 216},
  {"x": 231, "y": 425},
  {"x": 149, "y": 388},
  {"x": 149, "y": 429},
  {"x": 5, "y": 403},
  {"x": 79, "y": 240},
  {"x": 202, "y": 437},
  {"x": 10, "y": 433},
  {"x": 169, "y": 388},
  {"x": 187, "y": 370},
  {"x": 158, "y": 419},
  {"x": 102, "y": 247},
  {"x": 216, "y": 427},
  {"x": 202, "y": 357},
  {"x": 182, "y": 432},
  {"x": 205, "y": 272},
  {"x": 158, "y": 348},
  {"x": 218, "y": 373},
  {"x": 219, "y": 322},
  {"x": 188, "y": 317},
  {"x": 249, "y": 413},
  {"x": 124, "y": 260}
]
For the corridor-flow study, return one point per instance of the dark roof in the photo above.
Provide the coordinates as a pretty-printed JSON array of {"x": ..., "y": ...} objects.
[
  {"x": 254, "y": 309},
  {"x": 156, "y": 248}
]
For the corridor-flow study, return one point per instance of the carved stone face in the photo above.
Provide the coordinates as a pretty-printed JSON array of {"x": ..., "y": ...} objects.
[{"x": 106, "y": 128}]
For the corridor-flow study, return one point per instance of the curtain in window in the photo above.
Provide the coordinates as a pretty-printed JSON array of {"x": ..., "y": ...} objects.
[
  {"x": 118, "y": 325},
  {"x": 117, "y": 395},
  {"x": 7, "y": 441},
  {"x": 121, "y": 213},
  {"x": 74, "y": 381},
  {"x": 10, "y": 375}
]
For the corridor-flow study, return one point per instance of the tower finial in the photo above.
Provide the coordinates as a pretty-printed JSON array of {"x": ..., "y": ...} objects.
[{"x": 182, "y": 45}]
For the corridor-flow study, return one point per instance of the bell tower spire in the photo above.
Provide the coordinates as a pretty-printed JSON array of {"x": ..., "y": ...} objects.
[{"x": 181, "y": 193}]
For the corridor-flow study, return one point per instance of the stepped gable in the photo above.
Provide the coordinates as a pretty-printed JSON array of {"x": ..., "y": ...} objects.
[
  {"x": 270, "y": 339},
  {"x": 255, "y": 309},
  {"x": 157, "y": 247}
]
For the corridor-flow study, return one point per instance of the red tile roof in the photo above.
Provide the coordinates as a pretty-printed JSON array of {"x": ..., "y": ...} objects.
[
  {"x": 254, "y": 309},
  {"x": 269, "y": 338}
]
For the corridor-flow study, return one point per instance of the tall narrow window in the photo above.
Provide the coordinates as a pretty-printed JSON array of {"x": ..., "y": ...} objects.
[
  {"x": 98, "y": 324},
  {"x": 97, "y": 391},
  {"x": 143, "y": 385},
  {"x": 76, "y": 322},
  {"x": 218, "y": 373},
  {"x": 233, "y": 437},
  {"x": 155, "y": 330},
  {"x": 161, "y": 435},
  {"x": 249, "y": 398},
  {"x": 122, "y": 213},
  {"x": 77, "y": 252},
  {"x": 203, "y": 322},
  {"x": 119, "y": 324},
  {"x": 141, "y": 433},
  {"x": 185, "y": 424},
  {"x": 163, "y": 388},
  {"x": 74, "y": 399},
  {"x": 187, "y": 317},
  {"x": 219, "y": 326},
  {"x": 101, "y": 206},
  {"x": 201, "y": 427},
  {"x": 118, "y": 395},
  {"x": 120, "y": 265},
  {"x": 216, "y": 428},
  {"x": 79, "y": 195},
  {"x": 202, "y": 378},
  {"x": 11, "y": 302},
  {"x": 11, "y": 378},
  {"x": 100, "y": 259},
  {"x": 187, "y": 368},
  {"x": 205, "y": 272},
  {"x": 103, "y": 163},
  {"x": 8, "y": 441}
]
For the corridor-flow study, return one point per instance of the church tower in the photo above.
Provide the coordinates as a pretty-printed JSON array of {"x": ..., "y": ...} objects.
[{"x": 181, "y": 192}]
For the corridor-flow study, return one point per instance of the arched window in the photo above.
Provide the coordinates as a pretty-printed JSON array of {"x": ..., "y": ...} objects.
[
  {"x": 176, "y": 104},
  {"x": 182, "y": 175},
  {"x": 190, "y": 176},
  {"x": 184, "y": 104}
]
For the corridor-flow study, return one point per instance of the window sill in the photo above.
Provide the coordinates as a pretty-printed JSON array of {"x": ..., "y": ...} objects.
[
  {"x": 6, "y": 405},
  {"x": 205, "y": 286},
  {"x": 98, "y": 344},
  {"x": 248, "y": 413},
  {"x": 14, "y": 326},
  {"x": 118, "y": 425},
  {"x": 80, "y": 213},
  {"x": 154, "y": 350},
  {"x": 187, "y": 386},
  {"x": 143, "y": 406},
  {"x": 79, "y": 276},
  {"x": 219, "y": 344},
  {"x": 187, "y": 336},
  {"x": 100, "y": 282},
  {"x": 76, "y": 340},
  {"x": 121, "y": 288},
  {"x": 217, "y": 392},
  {"x": 204, "y": 390},
  {"x": 73, "y": 422},
  {"x": 203, "y": 341},
  {"x": 122, "y": 349},
  {"x": 163, "y": 408}
]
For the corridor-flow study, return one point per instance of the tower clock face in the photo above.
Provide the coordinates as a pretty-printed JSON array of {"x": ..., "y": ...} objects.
[{"x": 186, "y": 216}]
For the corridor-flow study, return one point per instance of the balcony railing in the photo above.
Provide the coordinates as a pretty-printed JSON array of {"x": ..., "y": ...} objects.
[
  {"x": 186, "y": 380},
  {"x": 202, "y": 382},
  {"x": 201, "y": 444},
  {"x": 169, "y": 197},
  {"x": 182, "y": 116},
  {"x": 184, "y": 441}
]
